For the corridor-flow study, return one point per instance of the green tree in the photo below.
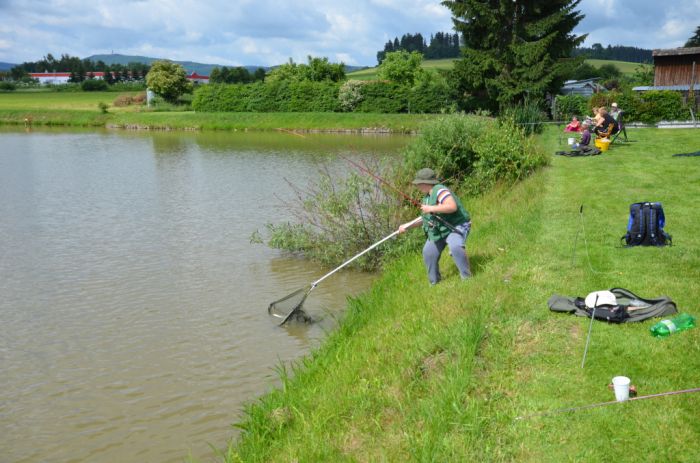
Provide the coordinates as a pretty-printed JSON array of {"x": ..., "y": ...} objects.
[
  {"x": 259, "y": 75},
  {"x": 168, "y": 80},
  {"x": 609, "y": 71},
  {"x": 401, "y": 67},
  {"x": 513, "y": 49},
  {"x": 318, "y": 70},
  {"x": 694, "y": 41}
]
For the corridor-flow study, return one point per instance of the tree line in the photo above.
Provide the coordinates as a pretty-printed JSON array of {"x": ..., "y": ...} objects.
[
  {"x": 235, "y": 75},
  {"x": 617, "y": 52},
  {"x": 81, "y": 69},
  {"x": 441, "y": 45}
]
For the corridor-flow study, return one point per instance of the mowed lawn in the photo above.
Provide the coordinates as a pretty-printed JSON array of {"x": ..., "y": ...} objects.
[
  {"x": 43, "y": 100},
  {"x": 445, "y": 373}
]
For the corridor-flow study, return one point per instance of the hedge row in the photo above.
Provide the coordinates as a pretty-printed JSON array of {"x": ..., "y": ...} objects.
[
  {"x": 351, "y": 96},
  {"x": 648, "y": 107}
]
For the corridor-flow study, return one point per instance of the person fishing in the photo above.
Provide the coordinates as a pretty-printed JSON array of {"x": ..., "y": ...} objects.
[{"x": 445, "y": 222}]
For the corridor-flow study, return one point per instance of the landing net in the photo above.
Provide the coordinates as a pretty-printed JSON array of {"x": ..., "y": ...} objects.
[{"x": 290, "y": 306}]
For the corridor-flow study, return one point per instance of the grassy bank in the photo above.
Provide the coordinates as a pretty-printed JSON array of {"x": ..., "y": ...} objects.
[
  {"x": 81, "y": 110},
  {"x": 441, "y": 374}
]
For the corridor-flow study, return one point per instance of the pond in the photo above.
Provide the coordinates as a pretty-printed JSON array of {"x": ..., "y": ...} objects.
[{"x": 133, "y": 304}]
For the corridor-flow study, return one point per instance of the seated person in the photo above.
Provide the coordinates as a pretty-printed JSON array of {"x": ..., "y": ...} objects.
[
  {"x": 606, "y": 125},
  {"x": 615, "y": 111},
  {"x": 585, "y": 136},
  {"x": 574, "y": 125},
  {"x": 583, "y": 148}
]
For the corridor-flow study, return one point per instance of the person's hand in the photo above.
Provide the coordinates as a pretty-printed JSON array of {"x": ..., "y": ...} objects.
[{"x": 427, "y": 209}]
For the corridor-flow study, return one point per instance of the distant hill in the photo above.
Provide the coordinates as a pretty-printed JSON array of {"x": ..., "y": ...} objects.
[
  {"x": 190, "y": 66},
  {"x": 6, "y": 66}
]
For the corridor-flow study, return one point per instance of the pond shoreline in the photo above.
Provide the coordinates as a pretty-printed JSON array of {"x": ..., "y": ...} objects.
[{"x": 345, "y": 123}]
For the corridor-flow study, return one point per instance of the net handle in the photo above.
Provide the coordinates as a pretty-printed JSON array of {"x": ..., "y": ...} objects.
[{"x": 313, "y": 285}]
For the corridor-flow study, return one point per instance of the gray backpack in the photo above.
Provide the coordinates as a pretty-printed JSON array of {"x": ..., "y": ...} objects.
[{"x": 628, "y": 308}]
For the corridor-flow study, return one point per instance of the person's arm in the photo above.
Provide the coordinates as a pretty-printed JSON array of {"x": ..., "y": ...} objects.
[
  {"x": 408, "y": 225},
  {"x": 446, "y": 204}
]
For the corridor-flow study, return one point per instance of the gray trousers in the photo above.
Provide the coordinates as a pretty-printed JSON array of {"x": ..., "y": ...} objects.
[{"x": 457, "y": 244}]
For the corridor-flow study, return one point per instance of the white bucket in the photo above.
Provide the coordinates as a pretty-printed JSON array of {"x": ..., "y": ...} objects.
[{"x": 621, "y": 385}]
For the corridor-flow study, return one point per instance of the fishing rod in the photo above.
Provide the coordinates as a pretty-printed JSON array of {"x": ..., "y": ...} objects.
[
  {"x": 602, "y": 404},
  {"x": 407, "y": 197}
]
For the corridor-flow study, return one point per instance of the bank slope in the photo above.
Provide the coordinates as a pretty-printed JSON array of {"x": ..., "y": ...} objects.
[{"x": 416, "y": 373}]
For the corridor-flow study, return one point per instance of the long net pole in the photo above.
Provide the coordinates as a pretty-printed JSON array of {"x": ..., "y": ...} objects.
[{"x": 603, "y": 404}]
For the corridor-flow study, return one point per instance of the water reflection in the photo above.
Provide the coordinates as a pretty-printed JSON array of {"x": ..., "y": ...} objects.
[{"x": 134, "y": 307}]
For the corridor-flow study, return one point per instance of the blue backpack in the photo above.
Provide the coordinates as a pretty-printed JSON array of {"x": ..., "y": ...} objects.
[{"x": 646, "y": 226}]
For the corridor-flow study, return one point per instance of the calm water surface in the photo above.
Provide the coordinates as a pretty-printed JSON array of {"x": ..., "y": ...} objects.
[{"x": 133, "y": 306}]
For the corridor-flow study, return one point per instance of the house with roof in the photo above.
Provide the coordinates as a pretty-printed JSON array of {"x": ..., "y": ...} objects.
[
  {"x": 675, "y": 69},
  {"x": 586, "y": 87},
  {"x": 63, "y": 77},
  {"x": 198, "y": 78}
]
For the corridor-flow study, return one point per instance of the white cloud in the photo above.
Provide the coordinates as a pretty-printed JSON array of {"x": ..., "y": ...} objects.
[{"x": 269, "y": 32}]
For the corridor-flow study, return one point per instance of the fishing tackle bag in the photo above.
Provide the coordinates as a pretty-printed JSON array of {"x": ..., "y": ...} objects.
[
  {"x": 625, "y": 308},
  {"x": 645, "y": 226}
]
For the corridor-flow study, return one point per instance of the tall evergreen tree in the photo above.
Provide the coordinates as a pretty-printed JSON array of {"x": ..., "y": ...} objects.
[
  {"x": 694, "y": 41},
  {"x": 513, "y": 49}
]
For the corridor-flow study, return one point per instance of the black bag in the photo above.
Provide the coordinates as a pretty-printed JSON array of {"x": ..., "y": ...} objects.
[
  {"x": 628, "y": 308},
  {"x": 646, "y": 226},
  {"x": 580, "y": 151}
]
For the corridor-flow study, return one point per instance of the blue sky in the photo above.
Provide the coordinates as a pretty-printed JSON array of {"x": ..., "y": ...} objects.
[{"x": 269, "y": 32}]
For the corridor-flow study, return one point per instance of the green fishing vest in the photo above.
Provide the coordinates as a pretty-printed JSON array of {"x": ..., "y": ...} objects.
[{"x": 433, "y": 227}]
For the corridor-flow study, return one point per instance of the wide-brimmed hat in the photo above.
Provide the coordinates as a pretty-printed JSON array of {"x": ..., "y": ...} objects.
[{"x": 427, "y": 176}]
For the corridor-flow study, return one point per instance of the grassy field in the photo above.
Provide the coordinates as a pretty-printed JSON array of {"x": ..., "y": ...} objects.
[
  {"x": 371, "y": 73},
  {"x": 81, "y": 101},
  {"x": 419, "y": 373},
  {"x": 625, "y": 67},
  {"x": 80, "y": 109}
]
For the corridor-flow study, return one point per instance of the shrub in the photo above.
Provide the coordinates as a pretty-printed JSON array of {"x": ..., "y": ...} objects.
[
  {"x": 475, "y": 151},
  {"x": 94, "y": 85},
  {"x": 568, "y": 106},
  {"x": 383, "y": 97},
  {"x": 7, "y": 86},
  {"x": 445, "y": 145},
  {"x": 276, "y": 96},
  {"x": 648, "y": 107},
  {"x": 350, "y": 94},
  {"x": 338, "y": 218},
  {"x": 432, "y": 95},
  {"x": 504, "y": 154},
  {"x": 526, "y": 114},
  {"x": 661, "y": 105}
]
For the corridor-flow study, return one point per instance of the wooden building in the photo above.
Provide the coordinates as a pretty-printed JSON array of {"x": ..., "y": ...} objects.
[{"x": 676, "y": 66}]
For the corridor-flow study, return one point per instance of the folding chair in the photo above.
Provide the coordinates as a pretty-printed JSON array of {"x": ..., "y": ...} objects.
[{"x": 620, "y": 128}]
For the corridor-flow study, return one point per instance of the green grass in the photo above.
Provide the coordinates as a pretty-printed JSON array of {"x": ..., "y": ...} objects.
[
  {"x": 440, "y": 374},
  {"x": 371, "y": 73},
  {"x": 625, "y": 67},
  {"x": 81, "y": 109},
  {"x": 84, "y": 101}
]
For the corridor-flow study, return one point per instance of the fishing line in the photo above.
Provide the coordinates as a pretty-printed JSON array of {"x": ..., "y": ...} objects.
[
  {"x": 585, "y": 242},
  {"x": 603, "y": 404},
  {"x": 366, "y": 170}
]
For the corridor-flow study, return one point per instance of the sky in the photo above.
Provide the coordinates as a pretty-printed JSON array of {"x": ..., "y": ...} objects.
[{"x": 270, "y": 32}]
